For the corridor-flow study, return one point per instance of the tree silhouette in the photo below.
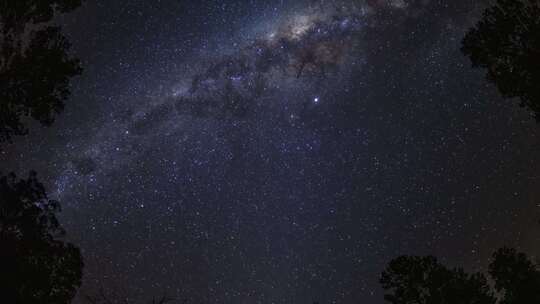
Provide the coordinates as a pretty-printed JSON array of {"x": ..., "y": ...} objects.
[
  {"x": 418, "y": 280},
  {"x": 36, "y": 265},
  {"x": 35, "y": 67},
  {"x": 421, "y": 280},
  {"x": 517, "y": 278},
  {"x": 506, "y": 42}
]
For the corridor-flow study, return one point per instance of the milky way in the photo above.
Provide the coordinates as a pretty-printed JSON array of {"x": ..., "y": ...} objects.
[
  {"x": 280, "y": 151},
  {"x": 302, "y": 57}
]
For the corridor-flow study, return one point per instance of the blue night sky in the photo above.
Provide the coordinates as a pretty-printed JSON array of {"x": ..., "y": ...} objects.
[{"x": 281, "y": 151}]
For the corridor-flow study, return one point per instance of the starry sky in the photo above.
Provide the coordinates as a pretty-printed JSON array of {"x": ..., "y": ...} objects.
[{"x": 281, "y": 151}]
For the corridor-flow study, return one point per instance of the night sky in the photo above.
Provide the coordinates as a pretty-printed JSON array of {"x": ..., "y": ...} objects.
[{"x": 281, "y": 151}]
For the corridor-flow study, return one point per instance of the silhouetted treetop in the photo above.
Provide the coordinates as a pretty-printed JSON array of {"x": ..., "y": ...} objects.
[
  {"x": 515, "y": 276},
  {"x": 36, "y": 265},
  {"x": 423, "y": 280},
  {"x": 418, "y": 280},
  {"x": 506, "y": 42},
  {"x": 35, "y": 67},
  {"x": 16, "y": 14}
]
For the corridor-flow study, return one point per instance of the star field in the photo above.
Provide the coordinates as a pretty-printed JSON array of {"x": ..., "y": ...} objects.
[{"x": 280, "y": 151}]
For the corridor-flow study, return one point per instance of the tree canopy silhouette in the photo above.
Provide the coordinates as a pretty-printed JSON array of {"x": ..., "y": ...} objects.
[
  {"x": 420, "y": 280},
  {"x": 516, "y": 277},
  {"x": 423, "y": 280},
  {"x": 35, "y": 67},
  {"x": 37, "y": 266},
  {"x": 506, "y": 42}
]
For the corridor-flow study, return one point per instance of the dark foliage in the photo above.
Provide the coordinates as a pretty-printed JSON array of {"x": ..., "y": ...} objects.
[
  {"x": 35, "y": 67},
  {"x": 517, "y": 278},
  {"x": 36, "y": 265},
  {"x": 418, "y": 280},
  {"x": 506, "y": 42}
]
